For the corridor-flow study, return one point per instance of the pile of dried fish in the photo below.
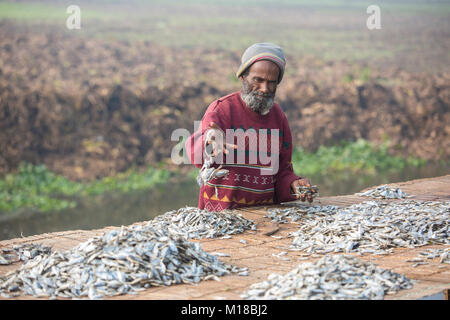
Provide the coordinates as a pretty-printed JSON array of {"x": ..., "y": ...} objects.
[
  {"x": 313, "y": 191},
  {"x": 208, "y": 172},
  {"x": 118, "y": 262},
  {"x": 194, "y": 223},
  {"x": 384, "y": 192},
  {"x": 442, "y": 254},
  {"x": 370, "y": 227},
  {"x": 334, "y": 277},
  {"x": 22, "y": 252},
  {"x": 299, "y": 212}
]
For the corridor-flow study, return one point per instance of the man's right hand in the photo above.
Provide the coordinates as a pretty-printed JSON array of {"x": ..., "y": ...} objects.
[{"x": 217, "y": 144}]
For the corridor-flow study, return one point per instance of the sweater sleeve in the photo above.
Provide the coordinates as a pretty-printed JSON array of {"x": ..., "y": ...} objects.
[
  {"x": 194, "y": 144},
  {"x": 285, "y": 175}
]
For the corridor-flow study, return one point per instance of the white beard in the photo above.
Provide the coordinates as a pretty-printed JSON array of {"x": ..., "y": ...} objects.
[{"x": 256, "y": 102}]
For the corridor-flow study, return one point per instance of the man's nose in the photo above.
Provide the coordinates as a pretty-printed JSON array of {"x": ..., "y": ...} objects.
[{"x": 264, "y": 88}]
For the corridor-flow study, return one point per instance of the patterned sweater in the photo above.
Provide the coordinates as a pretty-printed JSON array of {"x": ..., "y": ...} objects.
[{"x": 247, "y": 182}]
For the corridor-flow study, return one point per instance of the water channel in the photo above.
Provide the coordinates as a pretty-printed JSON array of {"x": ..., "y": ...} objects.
[{"x": 125, "y": 209}]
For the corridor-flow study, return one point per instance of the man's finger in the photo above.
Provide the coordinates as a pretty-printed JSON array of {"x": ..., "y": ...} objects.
[
  {"x": 214, "y": 126},
  {"x": 230, "y": 145},
  {"x": 305, "y": 183},
  {"x": 294, "y": 186}
]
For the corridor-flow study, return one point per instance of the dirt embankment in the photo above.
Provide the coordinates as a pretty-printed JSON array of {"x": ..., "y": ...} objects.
[{"x": 88, "y": 108}]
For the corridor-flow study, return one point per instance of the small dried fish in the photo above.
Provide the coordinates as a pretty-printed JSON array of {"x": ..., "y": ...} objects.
[
  {"x": 442, "y": 254},
  {"x": 120, "y": 261},
  {"x": 384, "y": 192},
  {"x": 368, "y": 227},
  {"x": 193, "y": 223},
  {"x": 208, "y": 172},
  {"x": 334, "y": 277},
  {"x": 127, "y": 260},
  {"x": 304, "y": 191},
  {"x": 23, "y": 252}
]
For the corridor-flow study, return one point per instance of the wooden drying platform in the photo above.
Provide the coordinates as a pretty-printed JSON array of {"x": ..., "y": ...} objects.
[{"x": 256, "y": 254}]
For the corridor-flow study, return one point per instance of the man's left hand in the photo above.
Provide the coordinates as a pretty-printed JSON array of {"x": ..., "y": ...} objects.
[{"x": 301, "y": 183}]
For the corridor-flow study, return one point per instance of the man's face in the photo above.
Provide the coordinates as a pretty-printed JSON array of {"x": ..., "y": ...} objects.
[{"x": 260, "y": 85}]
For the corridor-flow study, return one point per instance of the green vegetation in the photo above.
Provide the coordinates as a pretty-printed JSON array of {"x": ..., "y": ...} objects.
[
  {"x": 37, "y": 187},
  {"x": 351, "y": 166},
  {"x": 359, "y": 157}
]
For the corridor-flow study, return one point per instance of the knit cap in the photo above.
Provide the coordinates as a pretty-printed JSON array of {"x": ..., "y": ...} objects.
[{"x": 263, "y": 51}]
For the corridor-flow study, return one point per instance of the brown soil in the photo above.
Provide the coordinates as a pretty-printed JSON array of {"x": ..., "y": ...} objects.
[{"x": 88, "y": 108}]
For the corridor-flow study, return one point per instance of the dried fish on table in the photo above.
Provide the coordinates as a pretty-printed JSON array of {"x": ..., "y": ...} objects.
[
  {"x": 295, "y": 213},
  {"x": 443, "y": 255},
  {"x": 335, "y": 277},
  {"x": 208, "y": 172},
  {"x": 194, "y": 223},
  {"x": 368, "y": 227},
  {"x": 305, "y": 191},
  {"x": 117, "y": 262},
  {"x": 384, "y": 192},
  {"x": 22, "y": 252}
]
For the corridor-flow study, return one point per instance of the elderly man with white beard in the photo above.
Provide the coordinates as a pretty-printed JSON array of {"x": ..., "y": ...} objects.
[{"x": 251, "y": 180}]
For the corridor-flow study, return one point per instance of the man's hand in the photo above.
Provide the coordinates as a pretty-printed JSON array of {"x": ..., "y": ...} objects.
[
  {"x": 302, "y": 183},
  {"x": 218, "y": 145}
]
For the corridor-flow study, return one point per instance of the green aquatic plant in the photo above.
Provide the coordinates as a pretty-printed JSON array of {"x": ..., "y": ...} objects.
[
  {"x": 34, "y": 186},
  {"x": 358, "y": 157}
]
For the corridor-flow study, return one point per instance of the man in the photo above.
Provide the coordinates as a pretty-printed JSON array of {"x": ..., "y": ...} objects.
[{"x": 253, "y": 111}]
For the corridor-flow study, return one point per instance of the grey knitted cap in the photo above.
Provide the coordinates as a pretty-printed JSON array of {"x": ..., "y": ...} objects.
[{"x": 263, "y": 51}]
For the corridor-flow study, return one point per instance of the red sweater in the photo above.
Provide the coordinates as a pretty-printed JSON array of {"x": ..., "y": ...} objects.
[{"x": 245, "y": 185}]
